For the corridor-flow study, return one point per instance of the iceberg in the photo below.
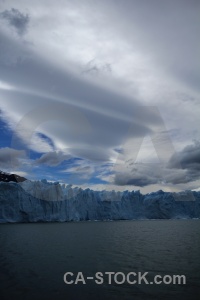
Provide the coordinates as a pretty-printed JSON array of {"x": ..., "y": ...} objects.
[{"x": 42, "y": 201}]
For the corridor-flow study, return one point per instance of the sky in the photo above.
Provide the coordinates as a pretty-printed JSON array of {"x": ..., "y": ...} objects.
[{"x": 101, "y": 94}]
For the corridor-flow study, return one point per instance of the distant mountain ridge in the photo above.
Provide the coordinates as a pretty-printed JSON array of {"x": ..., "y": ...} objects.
[{"x": 7, "y": 177}]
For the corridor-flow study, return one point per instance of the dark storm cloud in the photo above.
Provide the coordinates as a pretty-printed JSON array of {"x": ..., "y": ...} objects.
[
  {"x": 134, "y": 180},
  {"x": 16, "y": 19},
  {"x": 188, "y": 158},
  {"x": 152, "y": 174},
  {"x": 183, "y": 167}
]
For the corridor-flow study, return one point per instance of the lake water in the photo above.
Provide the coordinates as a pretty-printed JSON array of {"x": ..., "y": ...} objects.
[{"x": 34, "y": 258}]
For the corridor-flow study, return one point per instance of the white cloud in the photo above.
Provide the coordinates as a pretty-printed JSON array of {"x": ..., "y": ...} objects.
[
  {"x": 5, "y": 86},
  {"x": 52, "y": 158}
]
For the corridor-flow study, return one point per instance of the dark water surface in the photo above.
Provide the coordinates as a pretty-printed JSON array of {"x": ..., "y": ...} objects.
[{"x": 34, "y": 258}]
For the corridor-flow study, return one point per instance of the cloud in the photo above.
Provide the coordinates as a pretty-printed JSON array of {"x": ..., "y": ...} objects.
[
  {"x": 127, "y": 179},
  {"x": 167, "y": 31},
  {"x": 39, "y": 143},
  {"x": 83, "y": 170},
  {"x": 16, "y": 19},
  {"x": 61, "y": 80},
  {"x": 5, "y": 86},
  {"x": 10, "y": 158},
  {"x": 138, "y": 174},
  {"x": 94, "y": 68},
  {"x": 52, "y": 158},
  {"x": 188, "y": 158},
  {"x": 109, "y": 115},
  {"x": 182, "y": 168},
  {"x": 79, "y": 172},
  {"x": 143, "y": 175}
]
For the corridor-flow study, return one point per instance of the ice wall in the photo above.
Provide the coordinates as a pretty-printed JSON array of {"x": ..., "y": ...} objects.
[{"x": 43, "y": 202}]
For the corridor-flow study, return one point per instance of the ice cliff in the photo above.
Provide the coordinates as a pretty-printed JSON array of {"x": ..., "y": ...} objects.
[{"x": 40, "y": 201}]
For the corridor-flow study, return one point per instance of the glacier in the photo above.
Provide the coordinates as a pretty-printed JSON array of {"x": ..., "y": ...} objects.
[{"x": 42, "y": 201}]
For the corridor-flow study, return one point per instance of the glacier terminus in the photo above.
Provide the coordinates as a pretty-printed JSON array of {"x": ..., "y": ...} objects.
[{"x": 42, "y": 201}]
